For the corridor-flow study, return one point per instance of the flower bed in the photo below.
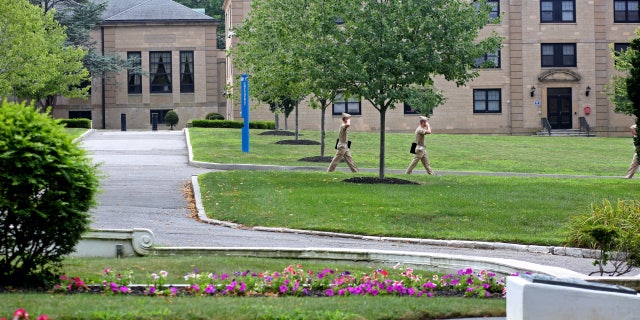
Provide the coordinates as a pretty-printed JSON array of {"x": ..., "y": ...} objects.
[{"x": 295, "y": 281}]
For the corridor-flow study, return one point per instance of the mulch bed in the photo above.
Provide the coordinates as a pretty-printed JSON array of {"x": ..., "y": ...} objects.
[
  {"x": 298, "y": 142},
  {"x": 375, "y": 180},
  {"x": 278, "y": 133}
]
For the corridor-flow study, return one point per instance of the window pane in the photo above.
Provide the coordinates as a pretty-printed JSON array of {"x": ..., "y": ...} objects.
[
  {"x": 339, "y": 108},
  {"x": 620, "y": 6},
  {"x": 546, "y": 16},
  {"x": 547, "y": 50},
  {"x": 134, "y": 79},
  {"x": 567, "y": 5},
  {"x": 494, "y": 106},
  {"x": 479, "y": 95},
  {"x": 480, "y": 106},
  {"x": 567, "y": 16},
  {"x": 546, "y": 6},
  {"x": 160, "y": 71},
  {"x": 354, "y": 108},
  {"x": 632, "y": 5},
  {"x": 186, "y": 71},
  {"x": 568, "y": 50},
  {"x": 494, "y": 95}
]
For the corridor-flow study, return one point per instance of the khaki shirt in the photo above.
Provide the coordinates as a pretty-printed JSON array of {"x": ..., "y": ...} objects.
[
  {"x": 420, "y": 133},
  {"x": 342, "y": 136}
]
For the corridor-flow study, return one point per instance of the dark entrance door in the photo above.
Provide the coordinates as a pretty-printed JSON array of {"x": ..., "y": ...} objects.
[{"x": 559, "y": 107}]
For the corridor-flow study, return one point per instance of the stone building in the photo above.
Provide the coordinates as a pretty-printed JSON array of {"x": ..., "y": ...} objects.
[
  {"x": 183, "y": 69},
  {"x": 552, "y": 68}
]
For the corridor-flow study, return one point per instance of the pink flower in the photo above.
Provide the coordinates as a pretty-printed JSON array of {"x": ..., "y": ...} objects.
[
  {"x": 43, "y": 317},
  {"x": 20, "y": 314}
]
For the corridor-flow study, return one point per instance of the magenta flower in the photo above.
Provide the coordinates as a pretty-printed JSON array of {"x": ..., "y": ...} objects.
[
  {"x": 210, "y": 289},
  {"x": 152, "y": 290},
  {"x": 283, "y": 288},
  {"x": 329, "y": 293}
]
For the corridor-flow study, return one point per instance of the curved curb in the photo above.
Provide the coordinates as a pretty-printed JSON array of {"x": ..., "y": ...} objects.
[
  {"x": 84, "y": 135},
  {"x": 435, "y": 261}
]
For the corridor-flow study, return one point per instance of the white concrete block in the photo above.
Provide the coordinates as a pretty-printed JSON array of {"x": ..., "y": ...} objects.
[{"x": 527, "y": 300}]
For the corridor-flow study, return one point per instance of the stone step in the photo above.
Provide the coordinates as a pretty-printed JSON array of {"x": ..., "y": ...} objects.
[{"x": 565, "y": 133}]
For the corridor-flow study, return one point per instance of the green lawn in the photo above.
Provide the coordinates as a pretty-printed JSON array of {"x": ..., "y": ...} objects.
[
  {"x": 486, "y": 208},
  {"x": 549, "y": 155}
]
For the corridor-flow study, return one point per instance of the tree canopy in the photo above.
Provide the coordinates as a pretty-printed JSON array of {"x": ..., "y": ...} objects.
[
  {"x": 384, "y": 51},
  {"x": 34, "y": 61}
]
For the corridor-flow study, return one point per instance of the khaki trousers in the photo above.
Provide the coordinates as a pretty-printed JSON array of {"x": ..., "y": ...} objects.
[
  {"x": 633, "y": 167},
  {"x": 421, "y": 155},
  {"x": 342, "y": 153}
]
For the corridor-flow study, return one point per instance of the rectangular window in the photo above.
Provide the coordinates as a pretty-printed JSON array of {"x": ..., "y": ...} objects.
[
  {"x": 408, "y": 109},
  {"x": 160, "y": 112},
  {"x": 134, "y": 78},
  {"x": 626, "y": 11},
  {"x": 160, "y": 71},
  {"x": 186, "y": 72},
  {"x": 558, "y": 55},
  {"x": 495, "y": 11},
  {"x": 558, "y": 11},
  {"x": 489, "y": 60},
  {"x": 620, "y": 47},
  {"x": 495, "y": 8},
  {"x": 487, "y": 101},
  {"x": 83, "y": 114},
  {"x": 350, "y": 106}
]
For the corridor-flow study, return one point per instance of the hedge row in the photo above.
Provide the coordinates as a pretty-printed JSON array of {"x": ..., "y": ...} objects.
[
  {"x": 76, "y": 123},
  {"x": 232, "y": 124}
]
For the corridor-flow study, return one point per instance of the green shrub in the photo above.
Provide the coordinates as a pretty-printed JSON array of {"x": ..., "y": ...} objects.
[
  {"x": 47, "y": 186},
  {"x": 614, "y": 230},
  {"x": 77, "y": 123},
  {"x": 171, "y": 118},
  {"x": 216, "y": 124},
  {"x": 232, "y": 124},
  {"x": 214, "y": 116}
]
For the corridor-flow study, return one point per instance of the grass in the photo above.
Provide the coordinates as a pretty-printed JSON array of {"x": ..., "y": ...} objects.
[
  {"x": 75, "y": 132},
  {"x": 89, "y": 306},
  {"x": 486, "y": 208},
  {"x": 547, "y": 155}
]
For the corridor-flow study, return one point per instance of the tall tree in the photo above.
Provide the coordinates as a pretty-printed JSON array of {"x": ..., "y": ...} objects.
[
  {"x": 289, "y": 49},
  {"x": 395, "y": 49},
  {"x": 268, "y": 53},
  {"x": 624, "y": 88},
  {"x": 34, "y": 61},
  {"x": 79, "y": 17}
]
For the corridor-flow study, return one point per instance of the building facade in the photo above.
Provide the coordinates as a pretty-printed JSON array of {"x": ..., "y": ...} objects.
[
  {"x": 182, "y": 68},
  {"x": 552, "y": 68}
]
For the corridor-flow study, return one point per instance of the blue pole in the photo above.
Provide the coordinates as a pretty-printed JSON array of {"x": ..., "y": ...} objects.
[{"x": 244, "y": 103}]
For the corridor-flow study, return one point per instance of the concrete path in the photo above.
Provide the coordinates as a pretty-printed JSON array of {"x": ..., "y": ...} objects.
[{"x": 147, "y": 170}]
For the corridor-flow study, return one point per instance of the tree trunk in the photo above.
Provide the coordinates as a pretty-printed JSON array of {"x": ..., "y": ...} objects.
[
  {"x": 323, "y": 111},
  {"x": 277, "y": 122},
  {"x": 383, "y": 111},
  {"x": 297, "y": 122}
]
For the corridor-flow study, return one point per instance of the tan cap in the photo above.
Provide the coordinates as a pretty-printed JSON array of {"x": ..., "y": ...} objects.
[
  {"x": 346, "y": 115},
  {"x": 423, "y": 118}
]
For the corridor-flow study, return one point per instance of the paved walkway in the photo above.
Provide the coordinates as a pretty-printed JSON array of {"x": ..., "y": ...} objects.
[{"x": 146, "y": 171}]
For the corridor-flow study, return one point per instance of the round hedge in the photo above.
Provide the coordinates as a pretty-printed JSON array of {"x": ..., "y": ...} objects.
[{"x": 47, "y": 186}]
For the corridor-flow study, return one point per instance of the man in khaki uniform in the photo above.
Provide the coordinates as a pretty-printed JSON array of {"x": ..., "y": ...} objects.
[
  {"x": 343, "y": 146},
  {"x": 421, "y": 152},
  {"x": 634, "y": 163}
]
